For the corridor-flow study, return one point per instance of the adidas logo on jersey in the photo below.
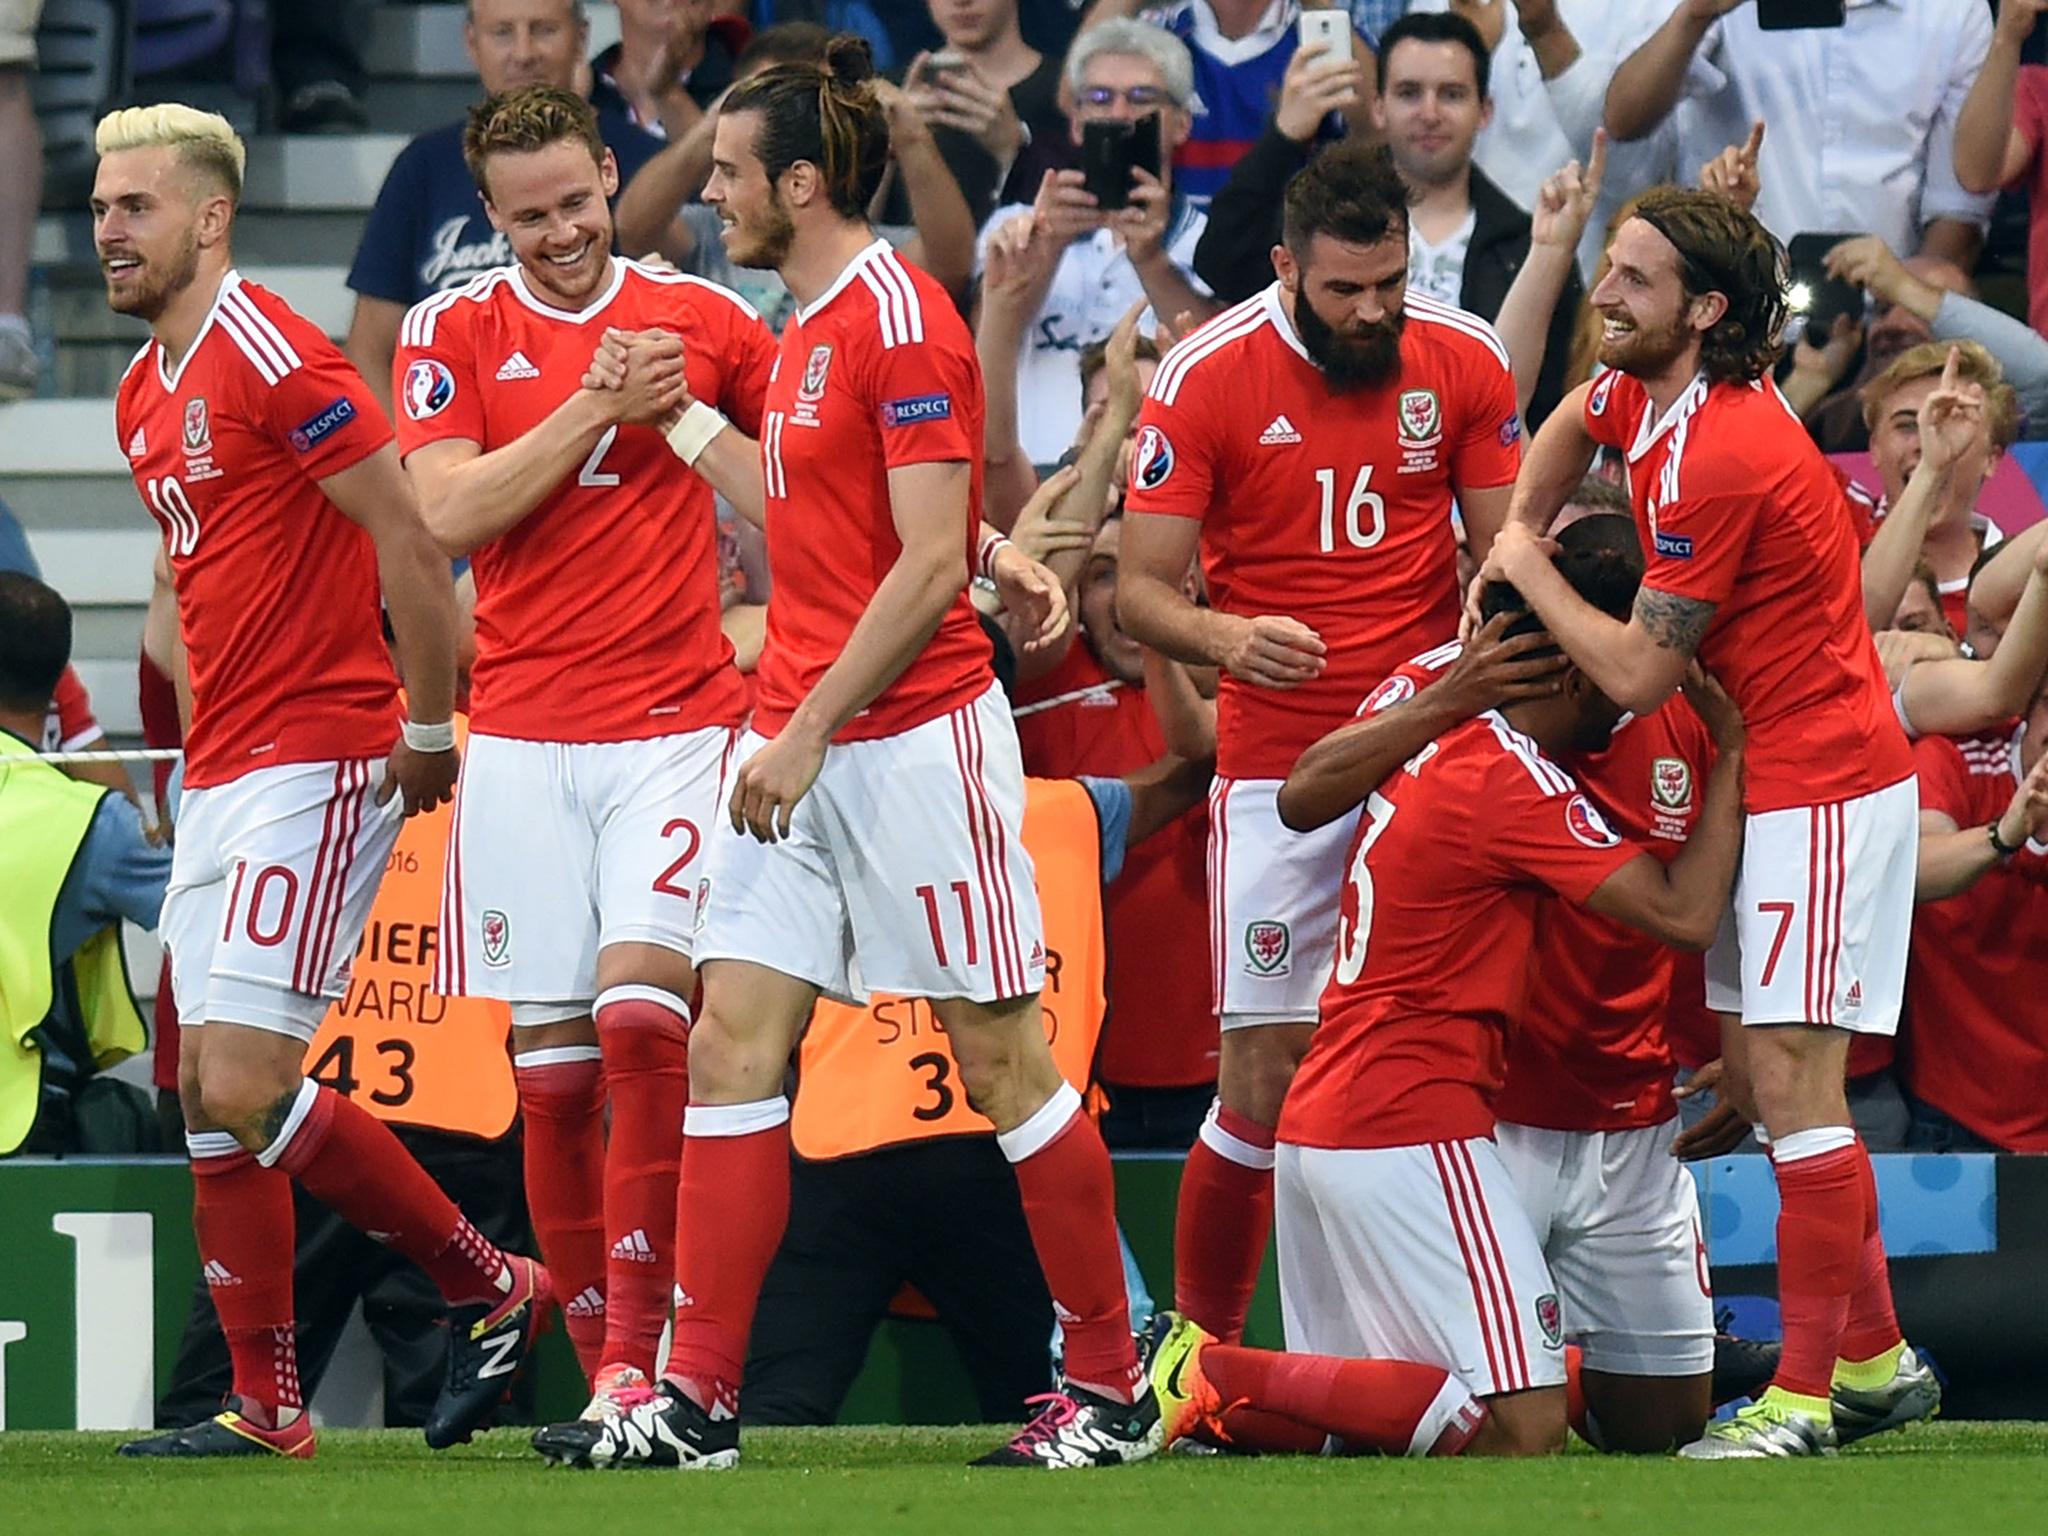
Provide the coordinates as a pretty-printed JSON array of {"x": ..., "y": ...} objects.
[
  {"x": 135, "y": 445},
  {"x": 218, "y": 1274},
  {"x": 1279, "y": 430},
  {"x": 683, "y": 1299},
  {"x": 634, "y": 1247},
  {"x": 588, "y": 1302},
  {"x": 517, "y": 367}
]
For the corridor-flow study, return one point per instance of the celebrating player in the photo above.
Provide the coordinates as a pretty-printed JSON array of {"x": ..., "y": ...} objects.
[
  {"x": 269, "y": 466},
  {"x": 873, "y": 842},
  {"x": 606, "y": 703},
  {"x": 1753, "y": 565},
  {"x": 1327, "y": 540},
  {"x": 1404, "y": 1248},
  {"x": 1586, "y": 1110}
]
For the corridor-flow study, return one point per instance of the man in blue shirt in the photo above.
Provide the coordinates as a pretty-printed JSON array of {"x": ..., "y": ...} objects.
[{"x": 427, "y": 231}]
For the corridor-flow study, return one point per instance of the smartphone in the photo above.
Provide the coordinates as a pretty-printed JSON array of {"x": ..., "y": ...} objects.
[
  {"x": 1826, "y": 297},
  {"x": 1327, "y": 29},
  {"x": 944, "y": 61},
  {"x": 1111, "y": 150},
  {"x": 1799, "y": 15}
]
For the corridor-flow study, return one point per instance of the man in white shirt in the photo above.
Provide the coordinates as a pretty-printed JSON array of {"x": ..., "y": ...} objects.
[
  {"x": 1109, "y": 260},
  {"x": 1862, "y": 116}
]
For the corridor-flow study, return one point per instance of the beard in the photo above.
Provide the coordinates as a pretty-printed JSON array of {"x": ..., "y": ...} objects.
[
  {"x": 1350, "y": 360},
  {"x": 152, "y": 295},
  {"x": 766, "y": 244},
  {"x": 1644, "y": 351}
]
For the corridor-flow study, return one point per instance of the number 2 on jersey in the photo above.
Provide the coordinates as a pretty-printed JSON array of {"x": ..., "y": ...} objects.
[
  {"x": 590, "y": 473},
  {"x": 1363, "y": 499},
  {"x": 1353, "y": 937}
]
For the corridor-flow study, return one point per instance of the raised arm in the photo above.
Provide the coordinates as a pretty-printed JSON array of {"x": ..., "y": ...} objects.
[
  {"x": 1951, "y": 423},
  {"x": 419, "y": 596},
  {"x": 1649, "y": 82},
  {"x": 1952, "y": 858},
  {"x": 1021, "y": 258},
  {"x": 1990, "y": 149},
  {"x": 944, "y": 245},
  {"x": 1553, "y": 464},
  {"x": 1955, "y": 697},
  {"x": 1682, "y": 903},
  {"x": 1527, "y": 314}
]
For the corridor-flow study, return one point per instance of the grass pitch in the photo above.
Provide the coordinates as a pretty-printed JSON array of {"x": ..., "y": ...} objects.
[{"x": 1979, "y": 1479}]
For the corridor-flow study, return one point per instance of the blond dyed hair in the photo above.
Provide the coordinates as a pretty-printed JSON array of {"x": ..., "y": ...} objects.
[
  {"x": 1974, "y": 365},
  {"x": 205, "y": 141}
]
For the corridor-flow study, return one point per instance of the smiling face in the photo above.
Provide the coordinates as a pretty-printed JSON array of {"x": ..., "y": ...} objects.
[
  {"x": 1645, "y": 314},
  {"x": 1895, "y": 441},
  {"x": 758, "y": 231},
  {"x": 151, "y": 214},
  {"x": 1430, "y": 109},
  {"x": 551, "y": 205},
  {"x": 1121, "y": 656}
]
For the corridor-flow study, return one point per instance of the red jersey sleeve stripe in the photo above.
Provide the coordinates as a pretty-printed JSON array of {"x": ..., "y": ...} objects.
[
  {"x": 1430, "y": 311},
  {"x": 417, "y": 329},
  {"x": 1495, "y": 1352},
  {"x": 1550, "y": 778},
  {"x": 889, "y": 266},
  {"x": 265, "y": 329},
  {"x": 1231, "y": 325},
  {"x": 266, "y": 362}
]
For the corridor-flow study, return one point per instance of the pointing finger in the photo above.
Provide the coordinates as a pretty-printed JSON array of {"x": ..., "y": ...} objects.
[
  {"x": 1754, "y": 143},
  {"x": 1596, "y": 163}
]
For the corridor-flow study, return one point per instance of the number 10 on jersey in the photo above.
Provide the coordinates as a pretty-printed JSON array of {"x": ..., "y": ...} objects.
[{"x": 1364, "y": 503}]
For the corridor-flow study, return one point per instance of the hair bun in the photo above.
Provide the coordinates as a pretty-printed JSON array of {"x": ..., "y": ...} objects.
[{"x": 849, "y": 59}]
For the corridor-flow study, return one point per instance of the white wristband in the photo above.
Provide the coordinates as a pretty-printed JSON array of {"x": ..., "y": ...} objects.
[
  {"x": 428, "y": 738},
  {"x": 689, "y": 437},
  {"x": 988, "y": 552}
]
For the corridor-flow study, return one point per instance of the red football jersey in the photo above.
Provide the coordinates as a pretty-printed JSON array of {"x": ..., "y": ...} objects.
[
  {"x": 71, "y": 722},
  {"x": 1588, "y": 1051},
  {"x": 875, "y": 374},
  {"x": 1332, "y": 509},
  {"x": 1738, "y": 508},
  {"x": 597, "y": 614},
  {"x": 277, "y": 591},
  {"x": 1161, "y": 1031},
  {"x": 1976, "y": 1047},
  {"x": 1454, "y": 856}
]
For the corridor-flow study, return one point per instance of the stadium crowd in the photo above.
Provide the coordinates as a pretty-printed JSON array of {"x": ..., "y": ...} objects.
[{"x": 1104, "y": 194}]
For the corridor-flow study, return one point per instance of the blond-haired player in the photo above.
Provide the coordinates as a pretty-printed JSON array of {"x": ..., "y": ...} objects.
[{"x": 285, "y": 517}]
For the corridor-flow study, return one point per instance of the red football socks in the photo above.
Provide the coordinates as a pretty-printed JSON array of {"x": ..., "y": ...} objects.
[
  {"x": 242, "y": 1212},
  {"x": 1820, "y": 1243},
  {"x": 1395, "y": 1407},
  {"x": 348, "y": 1160},
  {"x": 561, "y": 1097},
  {"x": 731, "y": 1206},
  {"x": 643, "y": 1032},
  {"x": 1069, "y": 1195},
  {"x": 1221, "y": 1225},
  {"x": 1873, "y": 1326}
]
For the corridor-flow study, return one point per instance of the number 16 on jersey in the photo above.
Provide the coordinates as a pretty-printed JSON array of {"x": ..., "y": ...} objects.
[{"x": 1365, "y": 513}]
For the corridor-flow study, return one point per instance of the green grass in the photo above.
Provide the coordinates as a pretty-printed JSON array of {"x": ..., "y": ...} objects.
[{"x": 1980, "y": 1479}]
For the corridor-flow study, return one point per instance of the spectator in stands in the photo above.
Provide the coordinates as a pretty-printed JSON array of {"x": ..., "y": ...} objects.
[
  {"x": 1862, "y": 117},
  {"x": 427, "y": 231},
  {"x": 316, "y": 54},
  {"x": 894, "y": 29},
  {"x": 1999, "y": 133},
  {"x": 1951, "y": 315},
  {"x": 75, "y": 861},
  {"x": 993, "y": 102},
  {"x": 1978, "y": 971},
  {"x": 1241, "y": 50},
  {"x": 1826, "y": 385},
  {"x": 1098, "y": 263},
  {"x": 21, "y": 194},
  {"x": 1957, "y": 534},
  {"x": 673, "y": 59}
]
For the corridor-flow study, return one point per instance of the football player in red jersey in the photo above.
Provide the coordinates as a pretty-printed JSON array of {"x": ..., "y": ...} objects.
[
  {"x": 1753, "y": 565},
  {"x": 1405, "y": 1250},
  {"x": 1587, "y": 1118},
  {"x": 873, "y": 842},
  {"x": 605, "y": 705},
  {"x": 1327, "y": 541},
  {"x": 269, "y": 465}
]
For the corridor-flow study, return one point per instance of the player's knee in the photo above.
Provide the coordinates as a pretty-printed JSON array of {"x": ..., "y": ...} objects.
[
  {"x": 237, "y": 1092},
  {"x": 1258, "y": 1085},
  {"x": 731, "y": 1063}
]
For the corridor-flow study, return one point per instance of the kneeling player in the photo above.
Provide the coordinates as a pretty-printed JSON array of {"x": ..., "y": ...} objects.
[
  {"x": 1401, "y": 1236},
  {"x": 1586, "y": 1110}
]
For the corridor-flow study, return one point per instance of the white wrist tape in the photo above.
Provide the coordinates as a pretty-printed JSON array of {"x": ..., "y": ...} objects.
[
  {"x": 428, "y": 738},
  {"x": 689, "y": 437}
]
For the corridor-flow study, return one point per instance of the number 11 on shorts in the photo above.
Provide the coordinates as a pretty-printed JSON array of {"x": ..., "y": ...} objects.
[{"x": 929, "y": 895}]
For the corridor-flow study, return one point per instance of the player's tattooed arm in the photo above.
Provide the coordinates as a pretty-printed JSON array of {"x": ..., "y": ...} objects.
[{"x": 1674, "y": 622}]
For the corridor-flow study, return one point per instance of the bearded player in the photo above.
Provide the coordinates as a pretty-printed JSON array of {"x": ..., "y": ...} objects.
[
  {"x": 1752, "y": 564},
  {"x": 874, "y": 838},
  {"x": 269, "y": 466},
  {"x": 1326, "y": 536},
  {"x": 605, "y": 701}
]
